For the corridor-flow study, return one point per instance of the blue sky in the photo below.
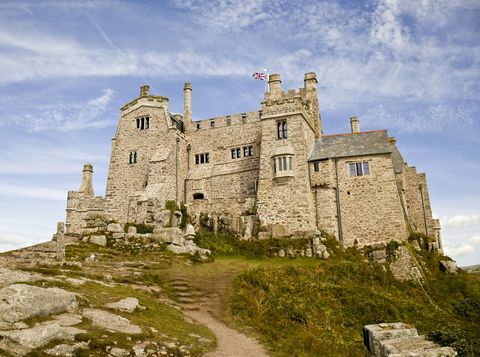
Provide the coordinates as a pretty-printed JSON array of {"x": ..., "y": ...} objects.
[{"x": 66, "y": 67}]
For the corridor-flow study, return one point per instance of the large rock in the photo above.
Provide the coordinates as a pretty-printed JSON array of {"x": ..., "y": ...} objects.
[
  {"x": 98, "y": 240},
  {"x": 448, "y": 266},
  {"x": 111, "y": 321},
  {"x": 171, "y": 235},
  {"x": 19, "y": 302},
  {"x": 115, "y": 228},
  {"x": 65, "y": 350},
  {"x": 162, "y": 217},
  {"x": 128, "y": 304},
  {"x": 8, "y": 277},
  {"x": 20, "y": 342}
]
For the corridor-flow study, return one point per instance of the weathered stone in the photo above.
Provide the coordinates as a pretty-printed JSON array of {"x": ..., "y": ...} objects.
[
  {"x": 118, "y": 235},
  {"x": 98, "y": 240},
  {"x": 132, "y": 230},
  {"x": 448, "y": 266},
  {"x": 115, "y": 228},
  {"x": 308, "y": 252},
  {"x": 19, "y": 302},
  {"x": 280, "y": 231},
  {"x": 8, "y": 277},
  {"x": 378, "y": 256},
  {"x": 128, "y": 304},
  {"x": 22, "y": 341},
  {"x": 65, "y": 350},
  {"x": 172, "y": 235},
  {"x": 189, "y": 232},
  {"x": 176, "y": 218},
  {"x": 118, "y": 352},
  {"x": 162, "y": 218},
  {"x": 111, "y": 321}
]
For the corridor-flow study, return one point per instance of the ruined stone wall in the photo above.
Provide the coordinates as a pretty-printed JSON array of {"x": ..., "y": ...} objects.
[
  {"x": 411, "y": 181},
  {"x": 370, "y": 204},
  {"x": 79, "y": 207}
]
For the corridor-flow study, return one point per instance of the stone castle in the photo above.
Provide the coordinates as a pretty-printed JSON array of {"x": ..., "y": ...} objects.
[{"x": 268, "y": 173}]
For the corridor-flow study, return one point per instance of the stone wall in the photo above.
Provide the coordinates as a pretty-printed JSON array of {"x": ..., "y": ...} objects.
[{"x": 370, "y": 204}]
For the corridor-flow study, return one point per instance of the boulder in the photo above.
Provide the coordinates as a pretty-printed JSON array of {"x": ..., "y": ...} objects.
[
  {"x": 20, "y": 342},
  {"x": 67, "y": 350},
  {"x": 115, "y": 228},
  {"x": 132, "y": 230},
  {"x": 8, "y": 277},
  {"x": 162, "y": 218},
  {"x": 189, "y": 232},
  {"x": 98, "y": 240},
  {"x": 111, "y": 321},
  {"x": 171, "y": 235},
  {"x": 118, "y": 352},
  {"x": 19, "y": 302},
  {"x": 378, "y": 256},
  {"x": 448, "y": 266},
  {"x": 128, "y": 304}
]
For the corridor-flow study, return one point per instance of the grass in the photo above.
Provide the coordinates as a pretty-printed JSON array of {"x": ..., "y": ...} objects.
[{"x": 320, "y": 309}]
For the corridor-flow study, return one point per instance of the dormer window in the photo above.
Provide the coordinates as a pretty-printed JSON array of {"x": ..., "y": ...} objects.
[
  {"x": 143, "y": 123},
  {"x": 282, "y": 129}
]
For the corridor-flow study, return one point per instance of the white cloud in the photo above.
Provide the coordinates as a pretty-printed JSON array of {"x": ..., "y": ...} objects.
[
  {"x": 62, "y": 117},
  {"x": 434, "y": 118},
  {"x": 459, "y": 250},
  {"x": 475, "y": 240},
  {"x": 460, "y": 220},
  {"x": 32, "y": 192}
]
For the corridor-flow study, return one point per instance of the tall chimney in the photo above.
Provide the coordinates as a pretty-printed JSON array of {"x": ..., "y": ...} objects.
[
  {"x": 144, "y": 90},
  {"x": 355, "y": 124},
  {"x": 187, "y": 104},
  {"x": 310, "y": 81},
  {"x": 274, "y": 85},
  {"x": 87, "y": 186}
]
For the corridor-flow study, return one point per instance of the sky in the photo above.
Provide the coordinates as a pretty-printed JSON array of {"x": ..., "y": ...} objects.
[{"x": 66, "y": 67}]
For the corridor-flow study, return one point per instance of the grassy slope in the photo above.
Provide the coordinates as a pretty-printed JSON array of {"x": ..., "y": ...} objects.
[{"x": 320, "y": 309}]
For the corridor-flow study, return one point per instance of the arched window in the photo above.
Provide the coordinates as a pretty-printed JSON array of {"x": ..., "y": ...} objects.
[
  {"x": 282, "y": 129},
  {"x": 198, "y": 196}
]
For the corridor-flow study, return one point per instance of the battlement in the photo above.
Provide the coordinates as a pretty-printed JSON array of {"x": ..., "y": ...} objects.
[
  {"x": 227, "y": 120},
  {"x": 145, "y": 98}
]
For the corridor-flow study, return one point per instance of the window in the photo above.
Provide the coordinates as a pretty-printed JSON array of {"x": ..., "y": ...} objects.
[
  {"x": 282, "y": 129},
  {"x": 244, "y": 118},
  {"x": 229, "y": 120},
  {"x": 359, "y": 168},
  {"x": 247, "y": 151},
  {"x": 212, "y": 124},
  {"x": 202, "y": 158},
  {"x": 198, "y": 196},
  {"x": 236, "y": 154},
  {"x": 316, "y": 166},
  {"x": 282, "y": 163},
  {"x": 143, "y": 123},
  {"x": 132, "y": 158},
  {"x": 198, "y": 126}
]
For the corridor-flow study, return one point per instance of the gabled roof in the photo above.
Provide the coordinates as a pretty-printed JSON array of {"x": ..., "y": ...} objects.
[{"x": 355, "y": 144}]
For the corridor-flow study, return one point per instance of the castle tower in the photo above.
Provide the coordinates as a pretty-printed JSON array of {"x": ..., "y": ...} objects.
[
  {"x": 86, "y": 187},
  {"x": 284, "y": 197},
  {"x": 187, "y": 105},
  {"x": 310, "y": 90},
  {"x": 145, "y": 162}
]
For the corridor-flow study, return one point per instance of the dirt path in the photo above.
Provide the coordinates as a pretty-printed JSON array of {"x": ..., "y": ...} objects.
[
  {"x": 230, "y": 343},
  {"x": 209, "y": 308}
]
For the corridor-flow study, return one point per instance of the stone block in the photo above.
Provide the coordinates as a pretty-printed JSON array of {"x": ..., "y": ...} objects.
[
  {"x": 118, "y": 235},
  {"x": 374, "y": 334},
  {"x": 115, "y": 228},
  {"x": 378, "y": 256},
  {"x": 132, "y": 230},
  {"x": 280, "y": 231},
  {"x": 162, "y": 218},
  {"x": 172, "y": 235},
  {"x": 264, "y": 235},
  {"x": 98, "y": 240}
]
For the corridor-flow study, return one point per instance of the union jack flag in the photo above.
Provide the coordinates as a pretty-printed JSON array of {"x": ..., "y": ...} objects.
[{"x": 261, "y": 76}]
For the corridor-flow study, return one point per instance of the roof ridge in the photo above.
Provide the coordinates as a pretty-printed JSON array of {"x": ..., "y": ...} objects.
[{"x": 361, "y": 132}]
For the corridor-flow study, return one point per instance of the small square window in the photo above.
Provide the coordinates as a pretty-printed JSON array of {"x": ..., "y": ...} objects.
[
  {"x": 244, "y": 118},
  {"x": 212, "y": 124},
  {"x": 229, "y": 120},
  {"x": 316, "y": 166}
]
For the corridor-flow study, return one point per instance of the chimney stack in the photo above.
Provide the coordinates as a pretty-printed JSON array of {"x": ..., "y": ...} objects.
[
  {"x": 392, "y": 140},
  {"x": 275, "y": 85},
  {"x": 187, "y": 103},
  {"x": 310, "y": 81},
  {"x": 87, "y": 186},
  {"x": 355, "y": 124},
  {"x": 144, "y": 90}
]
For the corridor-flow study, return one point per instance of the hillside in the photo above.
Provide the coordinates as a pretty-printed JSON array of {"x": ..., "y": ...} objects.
[{"x": 292, "y": 306}]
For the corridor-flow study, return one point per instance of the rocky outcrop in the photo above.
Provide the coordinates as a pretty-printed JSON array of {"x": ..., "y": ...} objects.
[
  {"x": 399, "y": 339},
  {"x": 448, "y": 266},
  {"x": 19, "y": 302},
  {"x": 128, "y": 305},
  {"x": 8, "y": 277},
  {"x": 111, "y": 321},
  {"x": 20, "y": 342}
]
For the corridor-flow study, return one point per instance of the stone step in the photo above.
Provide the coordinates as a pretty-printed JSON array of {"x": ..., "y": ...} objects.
[{"x": 186, "y": 300}]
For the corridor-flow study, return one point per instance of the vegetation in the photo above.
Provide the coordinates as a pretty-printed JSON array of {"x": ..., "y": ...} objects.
[
  {"x": 141, "y": 227},
  {"x": 320, "y": 310}
]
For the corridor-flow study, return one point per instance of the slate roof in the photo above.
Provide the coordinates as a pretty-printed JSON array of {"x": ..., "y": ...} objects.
[{"x": 345, "y": 145}]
